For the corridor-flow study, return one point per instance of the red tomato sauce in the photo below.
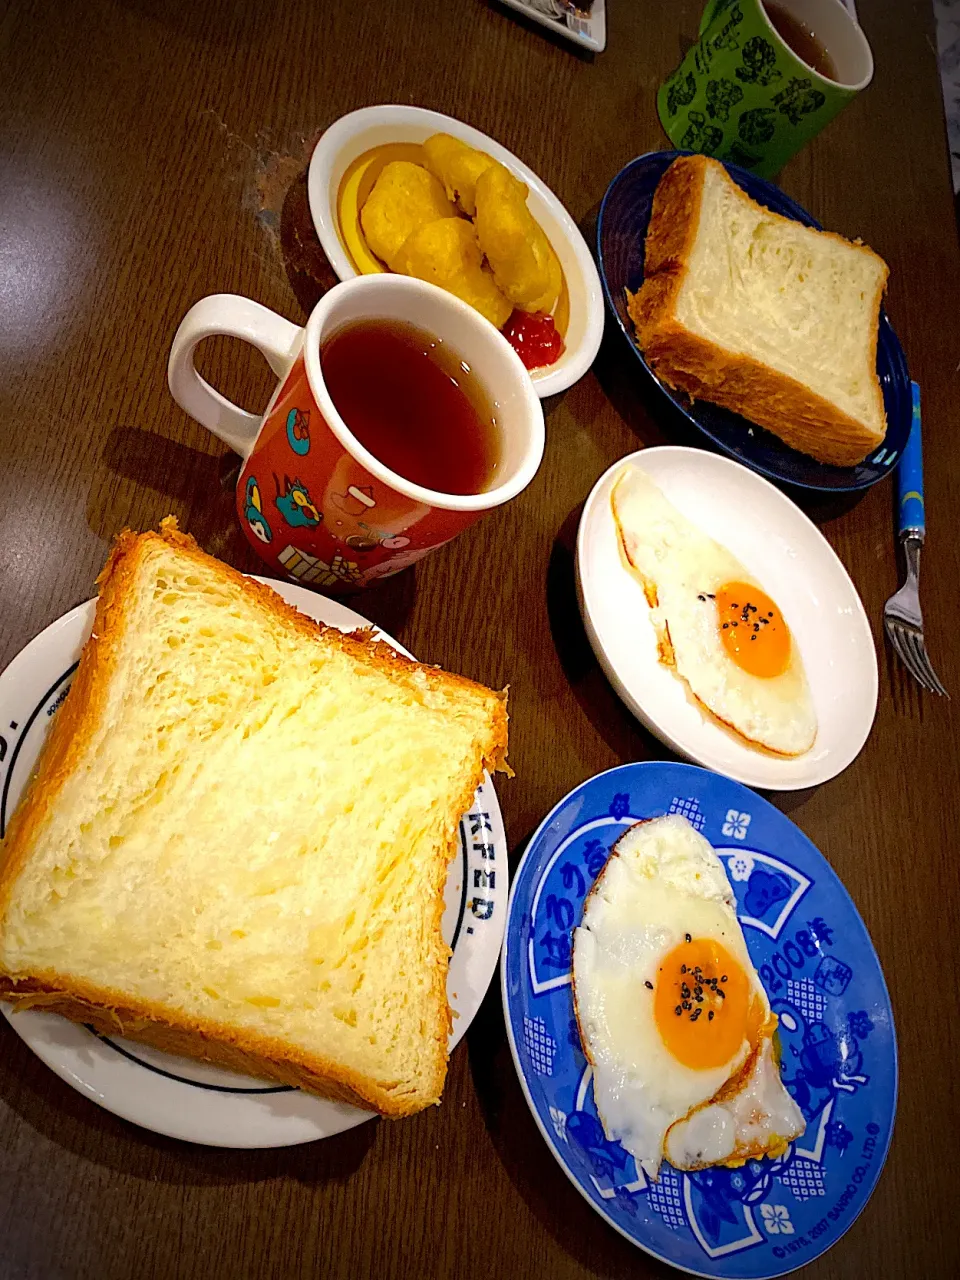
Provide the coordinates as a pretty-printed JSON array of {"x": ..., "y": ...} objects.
[{"x": 534, "y": 338}]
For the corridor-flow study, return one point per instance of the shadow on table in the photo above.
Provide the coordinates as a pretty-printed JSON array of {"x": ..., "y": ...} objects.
[
  {"x": 307, "y": 266},
  {"x": 527, "y": 1160},
  {"x": 72, "y": 1122},
  {"x": 145, "y": 476},
  {"x": 172, "y": 478}
]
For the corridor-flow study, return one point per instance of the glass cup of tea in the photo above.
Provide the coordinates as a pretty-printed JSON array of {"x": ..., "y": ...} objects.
[
  {"x": 764, "y": 77},
  {"x": 401, "y": 416}
]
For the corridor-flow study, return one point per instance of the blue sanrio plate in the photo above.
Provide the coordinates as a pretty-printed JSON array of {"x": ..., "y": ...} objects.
[
  {"x": 824, "y": 982},
  {"x": 621, "y": 236}
]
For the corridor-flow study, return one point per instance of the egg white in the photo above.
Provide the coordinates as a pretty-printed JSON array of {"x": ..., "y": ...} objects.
[
  {"x": 758, "y": 1119},
  {"x": 662, "y": 881},
  {"x": 681, "y": 568}
]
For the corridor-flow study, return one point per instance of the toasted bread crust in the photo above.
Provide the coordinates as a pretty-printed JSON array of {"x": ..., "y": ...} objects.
[
  {"x": 167, "y": 1028},
  {"x": 114, "y": 1014},
  {"x": 688, "y": 362},
  {"x": 613, "y": 853}
]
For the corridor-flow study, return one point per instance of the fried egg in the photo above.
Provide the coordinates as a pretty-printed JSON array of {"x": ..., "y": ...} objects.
[
  {"x": 672, "y": 1014},
  {"x": 716, "y": 625}
]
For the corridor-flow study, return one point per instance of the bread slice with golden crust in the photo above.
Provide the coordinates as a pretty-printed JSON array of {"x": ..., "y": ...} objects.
[
  {"x": 236, "y": 841},
  {"x": 762, "y": 315}
]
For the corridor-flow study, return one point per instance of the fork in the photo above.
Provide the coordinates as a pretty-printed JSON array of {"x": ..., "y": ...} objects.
[{"x": 901, "y": 614}]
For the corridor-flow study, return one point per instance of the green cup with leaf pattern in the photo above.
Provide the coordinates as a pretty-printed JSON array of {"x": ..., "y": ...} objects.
[{"x": 764, "y": 78}]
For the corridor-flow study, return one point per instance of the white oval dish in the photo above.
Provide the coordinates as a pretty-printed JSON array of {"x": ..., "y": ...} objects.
[
  {"x": 370, "y": 127},
  {"x": 182, "y": 1097},
  {"x": 791, "y": 559}
]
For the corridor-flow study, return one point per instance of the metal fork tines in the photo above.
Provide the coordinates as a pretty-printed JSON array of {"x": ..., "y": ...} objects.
[{"x": 904, "y": 624}]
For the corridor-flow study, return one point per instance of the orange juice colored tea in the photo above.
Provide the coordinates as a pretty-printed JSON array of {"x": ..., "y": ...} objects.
[{"x": 414, "y": 404}]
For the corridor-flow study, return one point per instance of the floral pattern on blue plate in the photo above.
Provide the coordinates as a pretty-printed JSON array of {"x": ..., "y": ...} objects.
[
  {"x": 821, "y": 974},
  {"x": 621, "y": 235}
]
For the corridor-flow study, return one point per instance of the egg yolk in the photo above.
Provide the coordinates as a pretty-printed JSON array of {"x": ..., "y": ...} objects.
[
  {"x": 704, "y": 1004},
  {"x": 752, "y": 630}
]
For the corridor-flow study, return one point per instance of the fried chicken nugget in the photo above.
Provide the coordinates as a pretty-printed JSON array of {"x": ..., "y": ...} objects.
[
  {"x": 446, "y": 253},
  {"x": 524, "y": 266},
  {"x": 458, "y": 167},
  {"x": 404, "y": 197}
]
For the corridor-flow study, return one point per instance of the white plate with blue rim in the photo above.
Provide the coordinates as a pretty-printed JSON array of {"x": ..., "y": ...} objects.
[
  {"x": 189, "y": 1099},
  {"x": 819, "y": 969}
]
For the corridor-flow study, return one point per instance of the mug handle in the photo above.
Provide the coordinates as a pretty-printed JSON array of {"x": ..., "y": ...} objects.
[{"x": 227, "y": 315}]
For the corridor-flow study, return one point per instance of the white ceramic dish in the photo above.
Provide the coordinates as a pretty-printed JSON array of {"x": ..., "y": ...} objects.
[
  {"x": 359, "y": 131},
  {"x": 189, "y": 1099},
  {"x": 789, "y": 557}
]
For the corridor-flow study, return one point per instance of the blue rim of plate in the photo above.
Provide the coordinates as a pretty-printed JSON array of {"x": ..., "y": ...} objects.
[
  {"x": 823, "y": 978},
  {"x": 621, "y": 233}
]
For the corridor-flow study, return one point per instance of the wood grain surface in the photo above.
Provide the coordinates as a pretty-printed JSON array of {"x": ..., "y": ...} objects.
[{"x": 151, "y": 152}]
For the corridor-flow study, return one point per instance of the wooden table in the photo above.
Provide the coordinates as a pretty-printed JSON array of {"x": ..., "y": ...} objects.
[{"x": 149, "y": 147}]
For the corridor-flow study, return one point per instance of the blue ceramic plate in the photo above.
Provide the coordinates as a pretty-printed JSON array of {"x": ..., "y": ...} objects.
[
  {"x": 822, "y": 976},
  {"x": 621, "y": 233}
]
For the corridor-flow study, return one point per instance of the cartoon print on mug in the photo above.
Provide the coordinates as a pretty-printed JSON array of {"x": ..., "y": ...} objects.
[
  {"x": 387, "y": 568},
  {"x": 298, "y": 431},
  {"x": 371, "y": 538},
  {"x": 309, "y": 536},
  {"x": 253, "y": 510},
  {"x": 358, "y": 507},
  {"x": 313, "y": 571},
  {"x": 295, "y": 504},
  {"x": 356, "y": 501}
]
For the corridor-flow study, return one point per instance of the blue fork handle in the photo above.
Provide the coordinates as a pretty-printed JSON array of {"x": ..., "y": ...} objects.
[{"x": 910, "y": 476}]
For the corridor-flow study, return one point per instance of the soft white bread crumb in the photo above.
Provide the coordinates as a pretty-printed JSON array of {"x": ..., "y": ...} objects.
[
  {"x": 763, "y": 315},
  {"x": 238, "y": 837}
]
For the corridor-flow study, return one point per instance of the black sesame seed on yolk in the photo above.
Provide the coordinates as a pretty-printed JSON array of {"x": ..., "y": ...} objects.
[
  {"x": 689, "y": 985},
  {"x": 752, "y": 630}
]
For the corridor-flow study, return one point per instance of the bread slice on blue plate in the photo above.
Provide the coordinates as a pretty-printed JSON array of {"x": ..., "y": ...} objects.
[
  {"x": 237, "y": 838},
  {"x": 762, "y": 315}
]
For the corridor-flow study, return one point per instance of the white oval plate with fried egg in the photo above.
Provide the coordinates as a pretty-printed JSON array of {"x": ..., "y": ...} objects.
[{"x": 789, "y": 557}]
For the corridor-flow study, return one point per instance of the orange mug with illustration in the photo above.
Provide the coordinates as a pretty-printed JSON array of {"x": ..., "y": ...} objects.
[{"x": 358, "y": 469}]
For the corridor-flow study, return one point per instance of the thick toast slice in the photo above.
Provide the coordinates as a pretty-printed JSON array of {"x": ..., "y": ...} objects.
[
  {"x": 759, "y": 314},
  {"x": 237, "y": 838}
]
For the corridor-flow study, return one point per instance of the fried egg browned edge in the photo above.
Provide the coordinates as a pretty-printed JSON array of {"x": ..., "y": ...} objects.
[
  {"x": 728, "y": 1089},
  {"x": 593, "y": 889},
  {"x": 665, "y": 653},
  {"x": 667, "y": 657}
]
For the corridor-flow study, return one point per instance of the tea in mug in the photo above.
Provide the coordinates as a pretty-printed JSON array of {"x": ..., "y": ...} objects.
[
  {"x": 414, "y": 404},
  {"x": 803, "y": 40}
]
